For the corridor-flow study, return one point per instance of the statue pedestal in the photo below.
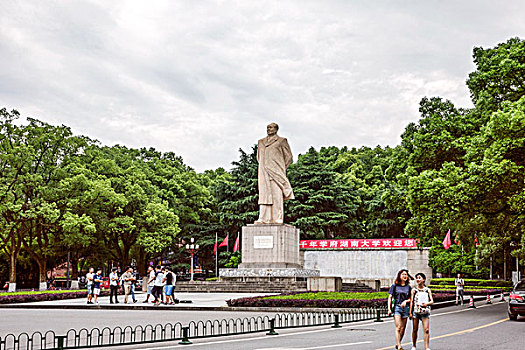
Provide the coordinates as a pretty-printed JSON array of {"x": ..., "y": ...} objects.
[
  {"x": 269, "y": 251},
  {"x": 270, "y": 246}
]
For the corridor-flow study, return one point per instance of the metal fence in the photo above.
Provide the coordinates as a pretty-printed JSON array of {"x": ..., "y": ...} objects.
[{"x": 96, "y": 337}]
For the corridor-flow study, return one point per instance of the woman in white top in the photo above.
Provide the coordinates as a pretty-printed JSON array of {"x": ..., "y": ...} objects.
[{"x": 420, "y": 301}]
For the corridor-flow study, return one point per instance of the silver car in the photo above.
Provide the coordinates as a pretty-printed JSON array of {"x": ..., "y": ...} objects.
[{"x": 517, "y": 301}]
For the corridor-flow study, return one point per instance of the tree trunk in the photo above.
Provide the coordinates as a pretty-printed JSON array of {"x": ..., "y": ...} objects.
[
  {"x": 141, "y": 262},
  {"x": 74, "y": 267},
  {"x": 12, "y": 267},
  {"x": 42, "y": 269}
]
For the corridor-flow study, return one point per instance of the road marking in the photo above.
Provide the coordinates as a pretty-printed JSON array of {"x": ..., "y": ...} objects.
[
  {"x": 470, "y": 330},
  {"x": 336, "y": 345},
  {"x": 318, "y": 347}
]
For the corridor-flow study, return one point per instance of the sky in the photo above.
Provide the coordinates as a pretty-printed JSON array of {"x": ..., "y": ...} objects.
[{"x": 202, "y": 79}]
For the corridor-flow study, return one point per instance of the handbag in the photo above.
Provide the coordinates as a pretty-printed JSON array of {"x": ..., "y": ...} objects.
[{"x": 393, "y": 303}]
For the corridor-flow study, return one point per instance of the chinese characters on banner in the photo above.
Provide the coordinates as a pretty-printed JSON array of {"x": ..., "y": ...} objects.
[{"x": 358, "y": 243}]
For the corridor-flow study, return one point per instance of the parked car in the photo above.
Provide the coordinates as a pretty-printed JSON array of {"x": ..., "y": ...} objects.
[{"x": 517, "y": 301}]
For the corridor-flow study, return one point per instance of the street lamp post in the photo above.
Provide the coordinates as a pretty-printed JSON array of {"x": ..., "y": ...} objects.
[{"x": 192, "y": 249}]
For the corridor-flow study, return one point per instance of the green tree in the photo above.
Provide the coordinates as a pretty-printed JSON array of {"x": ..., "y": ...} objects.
[
  {"x": 323, "y": 204},
  {"x": 499, "y": 75}
]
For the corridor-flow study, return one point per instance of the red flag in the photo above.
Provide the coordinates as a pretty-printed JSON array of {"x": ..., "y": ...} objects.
[
  {"x": 236, "y": 245},
  {"x": 476, "y": 242},
  {"x": 446, "y": 242},
  {"x": 225, "y": 242},
  {"x": 215, "y": 246}
]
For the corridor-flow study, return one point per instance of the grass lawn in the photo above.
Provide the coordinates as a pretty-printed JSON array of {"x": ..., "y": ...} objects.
[
  {"x": 39, "y": 292},
  {"x": 331, "y": 296}
]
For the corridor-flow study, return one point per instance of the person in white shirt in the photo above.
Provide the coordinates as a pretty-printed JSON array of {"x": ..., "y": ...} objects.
[
  {"x": 151, "y": 283},
  {"x": 113, "y": 285},
  {"x": 159, "y": 283},
  {"x": 89, "y": 278},
  {"x": 459, "y": 282}
]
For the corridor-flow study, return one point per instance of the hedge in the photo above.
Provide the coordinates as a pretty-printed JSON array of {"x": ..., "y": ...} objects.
[
  {"x": 473, "y": 282},
  {"x": 308, "y": 299},
  {"x": 469, "y": 288},
  {"x": 29, "y": 297}
]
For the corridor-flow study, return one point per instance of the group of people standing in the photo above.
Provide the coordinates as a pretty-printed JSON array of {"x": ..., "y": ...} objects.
[
  {"x": 161, "y": 281},
  {"x": 127, "y": 280},
  {"x": 405, "y": 302}
]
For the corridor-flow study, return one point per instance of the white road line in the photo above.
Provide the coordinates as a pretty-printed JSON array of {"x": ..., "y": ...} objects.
[{"x": 336, "y": 345}]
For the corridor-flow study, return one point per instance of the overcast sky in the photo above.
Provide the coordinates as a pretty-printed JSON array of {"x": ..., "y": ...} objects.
[{"x": 204, "y": 78}]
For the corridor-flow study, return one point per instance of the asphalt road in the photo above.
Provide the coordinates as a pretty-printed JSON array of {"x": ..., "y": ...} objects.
[{"x": 486, "y": 327}]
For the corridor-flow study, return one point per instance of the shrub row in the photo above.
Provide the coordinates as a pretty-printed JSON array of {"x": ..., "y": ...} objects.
[
  {"x": 468, "y": 288},
  {"x": 271, "y": 301},
  {"x": 473, "y": 282},
  {"x": 452, "y": 291},
  {"x": 320, "y": 303},
  {"x": 10, "y": 298},
  {"x": 332, "y": 295}
]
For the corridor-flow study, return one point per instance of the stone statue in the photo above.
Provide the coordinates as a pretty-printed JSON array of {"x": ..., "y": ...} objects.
[{"x": 274, "y": 156}]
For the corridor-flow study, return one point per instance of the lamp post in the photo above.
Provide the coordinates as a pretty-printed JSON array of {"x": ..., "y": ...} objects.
[{"x": 192, "y": 249}]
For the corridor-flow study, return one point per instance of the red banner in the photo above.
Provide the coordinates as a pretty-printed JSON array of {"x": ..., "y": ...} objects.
[{"x": 358, "y": 243}]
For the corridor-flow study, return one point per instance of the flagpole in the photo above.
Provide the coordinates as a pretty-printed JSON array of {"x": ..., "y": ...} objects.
[{"x": 216, "y": 254}]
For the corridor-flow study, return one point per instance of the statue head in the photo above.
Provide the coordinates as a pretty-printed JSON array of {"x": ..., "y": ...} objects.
[{"x": 272, "y": 129}]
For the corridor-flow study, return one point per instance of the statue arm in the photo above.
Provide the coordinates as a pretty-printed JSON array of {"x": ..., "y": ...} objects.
[
  {"x": 287, "y": 152},
  {"x": 259, "y": 151}
]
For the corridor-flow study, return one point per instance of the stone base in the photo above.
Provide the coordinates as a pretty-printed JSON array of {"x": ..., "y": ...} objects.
[
  {"x": 324, "y": 284},
  {"x": 276, "y": 274},
  {"x": 270, "y": 246},
  {"x": 42, "y": 286},
  {"x": 74, "y": 285}
]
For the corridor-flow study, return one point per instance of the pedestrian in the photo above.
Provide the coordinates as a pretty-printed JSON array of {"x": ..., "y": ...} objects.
[
  {"x": 420, "y": 301},
  {"x": 127, "y": 280},
  {"x": 460, "y": 283},
  {"x": 150, "y": 284},
  {"x": 157, "y": 288},
  {"x": 168, "y": 288},
  {"x": 89, "y": 278},
  {"x": 399, "y": 299},
  {"x": 133, "y": 283},
  {"x": 113, "y": 285},
  {"x": 97, "y": 281}
]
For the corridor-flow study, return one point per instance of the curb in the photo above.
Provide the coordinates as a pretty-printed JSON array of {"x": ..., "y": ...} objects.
[{"x": 439, "y": 305}]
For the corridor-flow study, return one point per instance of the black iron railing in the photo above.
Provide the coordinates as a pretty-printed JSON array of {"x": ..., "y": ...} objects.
[{"x": 104, "y": 337}]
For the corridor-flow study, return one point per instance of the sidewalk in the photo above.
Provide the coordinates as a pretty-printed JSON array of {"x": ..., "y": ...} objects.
[{"x": 188, "y": 301}]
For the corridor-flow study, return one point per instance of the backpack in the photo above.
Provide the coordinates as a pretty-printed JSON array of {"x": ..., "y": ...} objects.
[{"x": 418, "y": 309}]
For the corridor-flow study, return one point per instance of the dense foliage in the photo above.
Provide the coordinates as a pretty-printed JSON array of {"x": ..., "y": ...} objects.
[{"x": 456, "y": 169}]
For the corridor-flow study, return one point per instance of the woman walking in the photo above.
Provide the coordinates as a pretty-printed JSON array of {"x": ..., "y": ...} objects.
[
  {"x": 420, "y": 301},
  {"x": 399, "y": 298}
]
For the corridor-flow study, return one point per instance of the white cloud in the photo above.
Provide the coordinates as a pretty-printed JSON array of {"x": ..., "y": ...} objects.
[{"x": 202, "y": 79}]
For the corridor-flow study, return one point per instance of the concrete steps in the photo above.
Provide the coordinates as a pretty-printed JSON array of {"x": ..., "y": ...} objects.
[
  {"x": 255, "y": 287},
  {"x": 356, "y": 287},
  {"x": 240, "y": 287}
]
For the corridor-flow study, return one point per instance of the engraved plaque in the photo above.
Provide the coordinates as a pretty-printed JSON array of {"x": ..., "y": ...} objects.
[{"x": 262, "y": 242}]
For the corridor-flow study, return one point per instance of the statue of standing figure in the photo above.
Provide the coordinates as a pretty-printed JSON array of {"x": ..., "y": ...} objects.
[{"x": 274, "y": 156}]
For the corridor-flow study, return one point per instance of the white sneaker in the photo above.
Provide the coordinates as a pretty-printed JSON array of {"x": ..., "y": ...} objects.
[{"x": 414, "y": 348}]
